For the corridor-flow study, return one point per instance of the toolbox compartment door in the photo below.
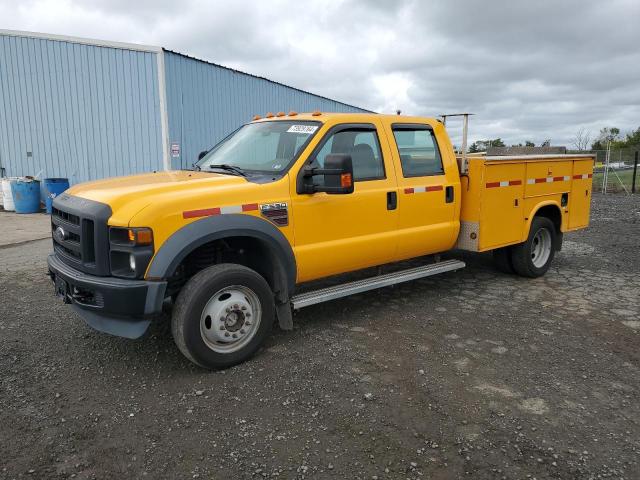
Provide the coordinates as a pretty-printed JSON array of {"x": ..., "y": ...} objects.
[
  {"x": 547, "y": 178},
  {"x": 501, "y": 217},
  {"x": 580, "y": 196}
]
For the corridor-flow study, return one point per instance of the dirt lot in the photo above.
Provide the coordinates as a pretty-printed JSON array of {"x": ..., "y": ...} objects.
[{"x": 471, "y": 374}]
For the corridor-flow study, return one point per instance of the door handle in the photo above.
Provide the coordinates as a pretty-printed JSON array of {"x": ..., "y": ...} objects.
[
  {"x": 448, "y": 194},
  {"x": 392, "y": 200}
]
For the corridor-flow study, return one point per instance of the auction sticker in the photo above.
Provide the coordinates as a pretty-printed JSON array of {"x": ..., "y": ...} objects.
[{"x": 306, "y": 129}]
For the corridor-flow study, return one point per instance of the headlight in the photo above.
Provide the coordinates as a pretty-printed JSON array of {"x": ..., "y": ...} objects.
[
  {"x": 131, "y": 250},
  {"x": 131, "y": 236}
]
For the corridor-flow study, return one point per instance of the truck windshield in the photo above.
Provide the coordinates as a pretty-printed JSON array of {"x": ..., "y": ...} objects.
[{"x": 263, "y": 147}]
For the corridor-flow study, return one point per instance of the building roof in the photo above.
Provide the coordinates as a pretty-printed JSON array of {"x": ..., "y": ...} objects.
[
  {"x": 265, "y": 79},
  {"x": 151, "y": 48}
]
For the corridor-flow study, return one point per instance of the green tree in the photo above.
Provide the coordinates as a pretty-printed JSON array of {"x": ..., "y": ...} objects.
[
  {"x": 633, "y": 138},
  {"x": 529, "y": 143},
  {"x": 606, "y": 135}
]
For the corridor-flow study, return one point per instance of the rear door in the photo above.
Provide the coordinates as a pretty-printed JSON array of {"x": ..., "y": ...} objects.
[
  {"x": 427, "y": 208},
  {"x": 345, "y": 232}
]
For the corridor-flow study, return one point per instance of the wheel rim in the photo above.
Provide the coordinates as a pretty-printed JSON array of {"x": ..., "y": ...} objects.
[
  {"x": 541, "y": 248},
  {"x": 230, "y": 319}
]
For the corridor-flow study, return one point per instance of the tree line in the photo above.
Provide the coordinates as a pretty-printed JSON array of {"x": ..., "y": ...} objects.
[{"x": 581, "y": 141}]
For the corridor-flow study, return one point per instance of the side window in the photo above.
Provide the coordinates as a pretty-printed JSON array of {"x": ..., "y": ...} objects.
[
  {"x": 364, "y": 148},
  {"x": 418, "y": 150}
]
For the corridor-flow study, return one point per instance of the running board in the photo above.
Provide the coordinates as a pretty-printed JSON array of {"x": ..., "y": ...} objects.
[{"x": 346, "y": 289}]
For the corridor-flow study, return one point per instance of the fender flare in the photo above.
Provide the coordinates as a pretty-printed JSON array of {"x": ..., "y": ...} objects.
[
  {"x": 535, "y": 211},
  {"x": 195, "y": 234}
]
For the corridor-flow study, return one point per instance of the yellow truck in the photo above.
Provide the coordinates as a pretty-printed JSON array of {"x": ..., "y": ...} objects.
[{"x": 292, "y": 198}]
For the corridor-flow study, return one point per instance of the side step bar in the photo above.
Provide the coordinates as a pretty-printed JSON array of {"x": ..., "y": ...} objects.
[{"x": 346, "y": 289}]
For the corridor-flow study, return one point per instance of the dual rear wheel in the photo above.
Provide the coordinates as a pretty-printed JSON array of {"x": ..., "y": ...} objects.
[{"x": 533, "y": 257}]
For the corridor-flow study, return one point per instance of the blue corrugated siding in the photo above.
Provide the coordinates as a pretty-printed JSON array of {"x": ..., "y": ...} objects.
[
  {"x": 85, "y": 112},
  {"x": 207, "y": 102}
]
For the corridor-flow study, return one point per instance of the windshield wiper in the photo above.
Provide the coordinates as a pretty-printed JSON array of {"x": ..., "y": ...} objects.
[{"x": 229, "y": 168}]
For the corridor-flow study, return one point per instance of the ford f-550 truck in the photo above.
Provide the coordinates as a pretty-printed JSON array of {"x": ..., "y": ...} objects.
[{"x": 288, "y": 199}]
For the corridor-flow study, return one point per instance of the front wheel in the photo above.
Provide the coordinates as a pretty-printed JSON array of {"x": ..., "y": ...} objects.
[
  {"x": 533, "y": 257},
  {"x": 222, "y": 315}
]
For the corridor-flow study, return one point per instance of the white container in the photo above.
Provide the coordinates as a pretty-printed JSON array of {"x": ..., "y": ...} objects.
[{"x": 7, "y": 196}]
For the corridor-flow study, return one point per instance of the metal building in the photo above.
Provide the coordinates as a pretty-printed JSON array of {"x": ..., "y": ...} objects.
[{"x": 87, "y": 109}]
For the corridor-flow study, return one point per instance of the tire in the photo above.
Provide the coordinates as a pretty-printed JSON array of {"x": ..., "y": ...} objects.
[
  {"x": 222, "y": 316},
  {"x": 533, "y": 257},
  {"x": 502, "y": 260}
]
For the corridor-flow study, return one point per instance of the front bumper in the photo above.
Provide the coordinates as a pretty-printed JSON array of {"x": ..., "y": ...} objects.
[{"x": 112, "y": 305}]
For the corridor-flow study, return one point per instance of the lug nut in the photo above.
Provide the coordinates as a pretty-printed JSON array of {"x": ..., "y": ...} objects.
[
  {"x": 247, "y": 323},
  {"x": 221, "y": 327},
  {"x": 228, "y": 309},
  {"x": 244, "y": 307},
  {"x": 226, "y": 334},
  {"x": 234, "y": 335},
  {"x": 242, "y": 330},
  {"x": 247, "y": 315}
]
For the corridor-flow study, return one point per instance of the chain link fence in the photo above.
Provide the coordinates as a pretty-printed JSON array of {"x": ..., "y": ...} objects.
[{"x": 619, "y": 178}]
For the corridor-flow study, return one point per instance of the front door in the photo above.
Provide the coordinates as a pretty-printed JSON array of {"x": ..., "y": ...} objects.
[{"x": 336, "y": 233}]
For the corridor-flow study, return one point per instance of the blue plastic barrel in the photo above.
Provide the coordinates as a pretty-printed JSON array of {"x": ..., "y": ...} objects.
[
  {"x": 52, "y": 188},
  {"x": 26, "y": 195}
]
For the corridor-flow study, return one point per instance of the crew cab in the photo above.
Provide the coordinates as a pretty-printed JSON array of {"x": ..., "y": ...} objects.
[{"x": 288, "y": 199}]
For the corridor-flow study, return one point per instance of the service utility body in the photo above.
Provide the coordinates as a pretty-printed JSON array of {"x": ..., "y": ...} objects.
[{"x": 288, "y": 199}]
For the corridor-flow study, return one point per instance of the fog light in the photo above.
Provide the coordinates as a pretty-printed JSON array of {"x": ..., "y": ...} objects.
[{"x": 132, "y": 263}]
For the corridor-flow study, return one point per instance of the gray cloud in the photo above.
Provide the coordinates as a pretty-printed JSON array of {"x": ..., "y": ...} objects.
[{"x": 528, "y": 70}]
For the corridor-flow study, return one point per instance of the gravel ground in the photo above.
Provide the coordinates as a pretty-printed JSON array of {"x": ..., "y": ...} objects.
[{"x": 472, "y": 374}]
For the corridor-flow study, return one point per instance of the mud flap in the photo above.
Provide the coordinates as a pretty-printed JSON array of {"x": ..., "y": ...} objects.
[{"x": 285, "y": 315}]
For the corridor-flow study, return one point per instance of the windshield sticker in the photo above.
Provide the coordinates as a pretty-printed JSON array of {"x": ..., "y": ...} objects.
[{"x": 306, "y": 129}]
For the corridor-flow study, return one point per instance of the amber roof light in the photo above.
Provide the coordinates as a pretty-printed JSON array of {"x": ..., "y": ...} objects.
[
  {"x": 317, "y": 113},
  {"x": 257, "y": 117},
  {"x": 269, "y": 115},
  {"x": 292, "y": 113}
]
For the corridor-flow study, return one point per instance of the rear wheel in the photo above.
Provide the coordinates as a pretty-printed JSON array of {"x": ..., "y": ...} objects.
[
  {"x": 533, "y": 257},
  {"x": 222, "y": 315}
]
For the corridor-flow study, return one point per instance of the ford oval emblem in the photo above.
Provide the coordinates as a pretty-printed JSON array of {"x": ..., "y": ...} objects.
[{"x": 60, "y": 234}]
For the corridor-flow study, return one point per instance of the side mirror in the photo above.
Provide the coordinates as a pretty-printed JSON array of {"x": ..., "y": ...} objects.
[
  {"x": 202, "y": 154},
  {"x": 337, "y": 172}
]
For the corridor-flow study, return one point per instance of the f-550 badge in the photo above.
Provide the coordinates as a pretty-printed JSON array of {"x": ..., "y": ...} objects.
[{"x": 278, "y": 213}]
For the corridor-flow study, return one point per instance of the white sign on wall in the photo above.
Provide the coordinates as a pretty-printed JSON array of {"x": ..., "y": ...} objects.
[{"x": 175, "y": 149}]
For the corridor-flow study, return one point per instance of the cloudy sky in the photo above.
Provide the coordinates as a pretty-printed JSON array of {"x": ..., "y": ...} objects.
[{"x": 529, "y": 70}]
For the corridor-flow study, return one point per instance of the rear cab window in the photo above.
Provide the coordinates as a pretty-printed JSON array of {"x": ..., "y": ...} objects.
[{"x": 418, "y": 150}]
